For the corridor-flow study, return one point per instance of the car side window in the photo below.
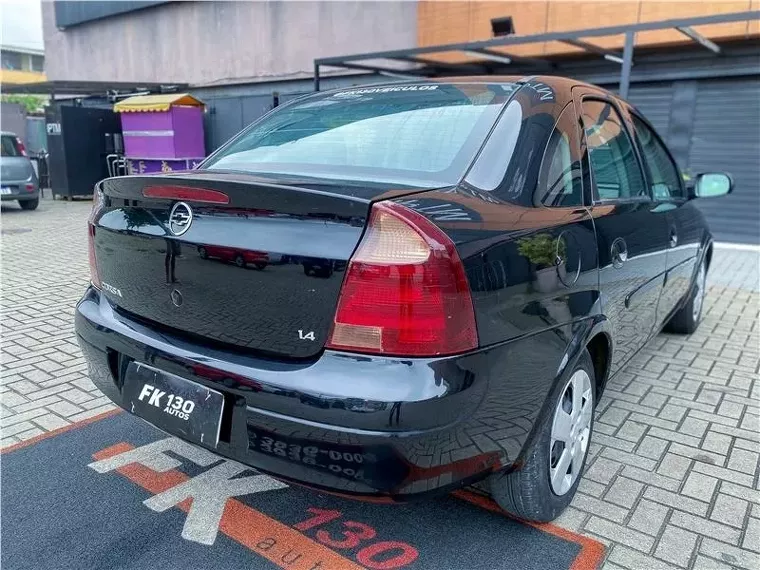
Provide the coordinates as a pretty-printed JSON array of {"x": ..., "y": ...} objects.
[
  {"x": 663, "y": 173},
  {"x": 561, "y": 181},
  {"x": 616, "y": 171}
]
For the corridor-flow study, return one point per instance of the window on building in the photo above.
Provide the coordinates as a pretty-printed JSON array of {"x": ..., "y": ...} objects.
[
  {"x": 38, "y": 63},
  {"x": 11, "y": 60},
  {"x": 663, "y": 173},
  {"x": 616, "y": 171}
]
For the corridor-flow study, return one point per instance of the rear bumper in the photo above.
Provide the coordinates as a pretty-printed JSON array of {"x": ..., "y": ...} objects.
[
  {"x": 395, "y": 427},
  {"x": 19, "y": 191}
]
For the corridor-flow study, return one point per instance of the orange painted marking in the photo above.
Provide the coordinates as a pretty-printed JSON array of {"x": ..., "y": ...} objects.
[
  {"x": 591, "y": 554},
  {"x": 267, "y": 537},
  {"x": 243, "y": 524}
]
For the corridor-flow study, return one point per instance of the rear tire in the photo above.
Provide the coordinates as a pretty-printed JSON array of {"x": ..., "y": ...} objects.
[
  {"x": 553, "y": 465},
  {"x": 29, "y": 204},
  {"x": 688, "y": 317}
]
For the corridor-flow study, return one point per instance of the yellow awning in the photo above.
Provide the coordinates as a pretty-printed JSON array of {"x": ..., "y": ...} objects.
[
  {"x": 15, "y": 76},
  {"x": 155, "y": 102}
]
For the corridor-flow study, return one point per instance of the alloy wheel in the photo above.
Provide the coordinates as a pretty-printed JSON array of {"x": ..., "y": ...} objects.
[{"x": 571, "y": 429}]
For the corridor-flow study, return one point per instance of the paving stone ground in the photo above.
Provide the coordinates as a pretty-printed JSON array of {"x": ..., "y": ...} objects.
[{"x": 672, "y": 480}]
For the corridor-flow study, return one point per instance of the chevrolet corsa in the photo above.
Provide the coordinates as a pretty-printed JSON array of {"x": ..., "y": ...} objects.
[{"x": 448, "y": 274}]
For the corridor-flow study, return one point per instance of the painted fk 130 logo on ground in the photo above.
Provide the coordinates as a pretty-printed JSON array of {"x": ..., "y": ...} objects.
[{"x": 210, "y": 504}]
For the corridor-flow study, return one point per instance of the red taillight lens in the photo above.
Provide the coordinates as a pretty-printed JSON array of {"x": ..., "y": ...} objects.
[
  {"x": 97, "y": 202},
  {"x": 20, "y": 147},
  {"x": 405, "y": 292}
]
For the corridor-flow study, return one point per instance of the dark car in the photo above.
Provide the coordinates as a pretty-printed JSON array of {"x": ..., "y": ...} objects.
[
  {"x": 498, "y": 248},
  {"x": 18, "y": 180}
]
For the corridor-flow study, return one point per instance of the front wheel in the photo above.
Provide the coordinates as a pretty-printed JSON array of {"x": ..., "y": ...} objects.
[
  {"x": 688, "y": 317},
  {"x": 239, "y": 260},
  {"x": 546, "y": 483}
]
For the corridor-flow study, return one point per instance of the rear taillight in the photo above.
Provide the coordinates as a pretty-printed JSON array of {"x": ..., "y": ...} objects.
[
  {"x": 97, "y": 203},
  {"x": 405, "y": 292},
  {"x": 20, "y": 147}
]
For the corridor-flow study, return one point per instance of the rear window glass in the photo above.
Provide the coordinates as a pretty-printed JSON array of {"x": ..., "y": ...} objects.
[
  {"x": 8, "y": 146},
  {"x": 423, "y": 135}
]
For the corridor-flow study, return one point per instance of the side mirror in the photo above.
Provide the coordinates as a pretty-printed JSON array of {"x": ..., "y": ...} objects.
[{"x": 712, "y": 185}]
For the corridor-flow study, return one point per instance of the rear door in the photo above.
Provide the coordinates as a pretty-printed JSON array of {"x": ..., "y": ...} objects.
[
  {"x": 685, "y": 224},
  {"x": 631, "y": 233}
]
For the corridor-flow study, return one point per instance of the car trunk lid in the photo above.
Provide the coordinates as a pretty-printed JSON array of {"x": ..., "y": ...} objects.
[{"x": 236, "y": 259}]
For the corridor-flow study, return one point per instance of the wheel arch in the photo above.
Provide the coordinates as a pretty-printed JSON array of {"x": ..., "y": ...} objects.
[{"x": 599, "y": 347}]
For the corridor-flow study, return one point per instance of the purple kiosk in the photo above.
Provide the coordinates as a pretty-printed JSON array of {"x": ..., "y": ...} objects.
[{"x": 162, "y": 133}]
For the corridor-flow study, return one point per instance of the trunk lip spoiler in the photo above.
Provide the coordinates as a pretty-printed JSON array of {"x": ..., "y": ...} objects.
[{"x": 186, "y": 194}]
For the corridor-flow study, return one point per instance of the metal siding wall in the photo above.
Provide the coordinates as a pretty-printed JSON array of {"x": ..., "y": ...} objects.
[
  {"x": 726, "y": 136},
  {"x": 13, "y": 119},
  {"x": 69, "y": 13},
  {"x": 227, "y": 116},
  {"x": 654, "y": 102},
  {"x": 713, "y": 125}
]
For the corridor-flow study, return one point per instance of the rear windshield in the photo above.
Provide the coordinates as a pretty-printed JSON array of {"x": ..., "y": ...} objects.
[
  {"x": 8, "y": 146},
  {"x": 418, "y": 135}
]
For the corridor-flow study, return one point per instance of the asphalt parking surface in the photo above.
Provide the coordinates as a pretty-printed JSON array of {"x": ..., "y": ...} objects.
[{"x": 117, "y": 493}]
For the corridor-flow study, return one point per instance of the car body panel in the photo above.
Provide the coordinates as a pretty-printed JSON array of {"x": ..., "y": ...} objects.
[
  {"x": 436, "y": 422},
  {"x": 418, "y": 424},
  {"x": 17, "y": 176}
]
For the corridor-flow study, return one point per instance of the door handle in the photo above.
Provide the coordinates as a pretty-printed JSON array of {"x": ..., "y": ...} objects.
[
  {"x": 673, "y": 237},
  {"x": 619, "y": 252}
]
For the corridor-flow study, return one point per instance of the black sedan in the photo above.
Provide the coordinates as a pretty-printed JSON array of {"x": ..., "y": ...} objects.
[{"x": 498, "y": 248}]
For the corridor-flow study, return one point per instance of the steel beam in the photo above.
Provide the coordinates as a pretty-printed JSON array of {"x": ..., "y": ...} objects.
[
  {"x": 625, "y": 73},
  {"x": 378, "y": 69},
  {"x": 548, "y": 37},
  {"x": 609, "y": 55},
  {"x": 691, "y": 33},
  {"x": 501, "y": 56},
  {"x": 462, "y": 66}
]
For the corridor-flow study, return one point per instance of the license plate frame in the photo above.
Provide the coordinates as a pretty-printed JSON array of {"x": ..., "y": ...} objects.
[{"x": 161, "y": 398}]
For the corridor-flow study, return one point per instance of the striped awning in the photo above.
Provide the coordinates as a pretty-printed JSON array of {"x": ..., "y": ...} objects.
[{"x": 146, "y": 103}]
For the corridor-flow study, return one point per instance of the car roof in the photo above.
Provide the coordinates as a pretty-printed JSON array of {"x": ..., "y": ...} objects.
[
  {"x": 557, "y": 83},
  {"x": 553, "y": 81}
]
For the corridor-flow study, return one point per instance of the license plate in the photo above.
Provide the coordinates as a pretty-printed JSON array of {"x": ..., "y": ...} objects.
[
  {"x": 172, "y": 403},
  {"x": 6, "y": 190}
]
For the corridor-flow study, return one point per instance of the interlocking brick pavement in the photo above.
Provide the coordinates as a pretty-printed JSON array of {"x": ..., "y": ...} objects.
[
  {"x": 672, "y": 478},
  {"x": 44, "y": 271}
]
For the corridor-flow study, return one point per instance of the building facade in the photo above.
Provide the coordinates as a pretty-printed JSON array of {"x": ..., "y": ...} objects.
[
  {"x": 21, "y": 64},
  {"x": 243, "y": 58}
]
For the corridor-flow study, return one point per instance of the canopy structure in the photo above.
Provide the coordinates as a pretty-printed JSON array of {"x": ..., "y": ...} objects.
[
  {"x": 87, "y": 88},
  {"x": 492, "y": 56},
  {"x": 156, "y": 103}
]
